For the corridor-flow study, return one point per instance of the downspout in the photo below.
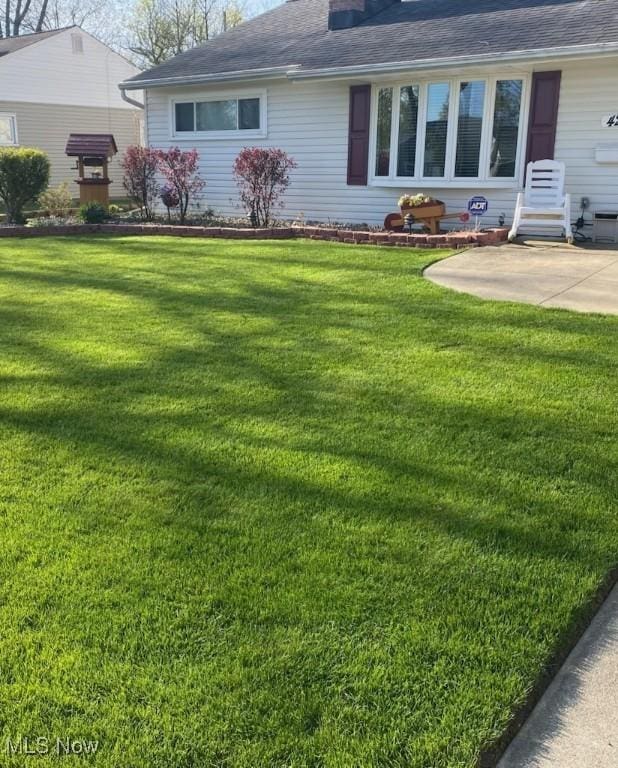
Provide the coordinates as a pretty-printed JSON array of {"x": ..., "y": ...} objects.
[{"x": 129, "y": 100}]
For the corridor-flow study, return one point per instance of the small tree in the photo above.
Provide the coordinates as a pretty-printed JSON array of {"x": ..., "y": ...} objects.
[
  {"x": 181, "y": 173},
  {"x": 262, "y": 176},
  {"x": 140, "y": 165},
  {"x": 57, "y": 201},
  {"x": 24, "y": 174}
]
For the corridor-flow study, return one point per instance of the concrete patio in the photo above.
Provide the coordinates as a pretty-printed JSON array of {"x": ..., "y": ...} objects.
[{"x": 584, "y": 279}]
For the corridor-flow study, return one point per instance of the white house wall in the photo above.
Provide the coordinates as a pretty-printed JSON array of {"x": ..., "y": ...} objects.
[
  {"x": 310, "y": 121},
  {"x": 49, "y": 72}
]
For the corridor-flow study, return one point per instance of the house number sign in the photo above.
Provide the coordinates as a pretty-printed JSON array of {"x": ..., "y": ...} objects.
[{"x": 610, "y": 121}]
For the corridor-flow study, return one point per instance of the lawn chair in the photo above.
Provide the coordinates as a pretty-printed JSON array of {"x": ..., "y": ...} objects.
[{"x": 543, "y": 203}]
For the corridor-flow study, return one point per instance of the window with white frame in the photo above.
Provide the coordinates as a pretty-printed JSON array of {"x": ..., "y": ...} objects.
[
  {"x": 219, "y": 116},
  {"x": 8, "y": 129},
  {"x": 452, "y": 130}
]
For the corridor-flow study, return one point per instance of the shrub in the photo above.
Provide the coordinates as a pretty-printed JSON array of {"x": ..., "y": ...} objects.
[
  {"x": 140, "y": 165},
  {"x": 181, "y": 173},
  {"x": 92, "y": 212},
  {"x": 24, "y": 174},
  {"x": 170, "y": 199},
  {"x": 262, "y": 176},
  {"x": 57, "y": 201}
]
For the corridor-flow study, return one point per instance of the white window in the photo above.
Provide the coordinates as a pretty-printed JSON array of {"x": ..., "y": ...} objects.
[
  {"x": 220, "y": 116},
  {"x": 8, "y": 129},
  {"x": 454, "y": 130}
]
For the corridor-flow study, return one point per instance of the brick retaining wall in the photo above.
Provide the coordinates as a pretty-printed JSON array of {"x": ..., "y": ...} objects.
[{"x": 446, "y": 240}]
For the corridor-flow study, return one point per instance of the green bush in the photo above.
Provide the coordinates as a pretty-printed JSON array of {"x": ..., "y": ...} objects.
[
  {"x": 92, "y": 213},
  {"x": 24, "y": 174},
  {"x": 57, "y": 201}
]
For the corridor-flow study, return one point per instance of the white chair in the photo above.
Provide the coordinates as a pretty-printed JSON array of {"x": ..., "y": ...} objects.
[{"x": 543, "y": 203}]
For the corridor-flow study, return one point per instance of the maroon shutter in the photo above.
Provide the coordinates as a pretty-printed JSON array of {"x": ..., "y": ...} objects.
[
  {"x": 543, "y": 116},
  {"x": 358, "y": 138}
]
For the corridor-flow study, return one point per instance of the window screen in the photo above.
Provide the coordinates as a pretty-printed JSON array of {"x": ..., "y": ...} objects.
[
  {"x": 469, "y": 128},
  {"x": 248, "y": 114},
  {"x": 436, "y": 129},
  {"x": 505, "y": 132},
  {"x": 184, "y": 117},
  {"x": 408, "y": 117},
  {"x": 383, "y": 142}
]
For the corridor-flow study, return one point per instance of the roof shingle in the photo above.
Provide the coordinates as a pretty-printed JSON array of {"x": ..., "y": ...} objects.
[
  {"x": 11, "y": 44},
  {"x": 296, "y": 34}
]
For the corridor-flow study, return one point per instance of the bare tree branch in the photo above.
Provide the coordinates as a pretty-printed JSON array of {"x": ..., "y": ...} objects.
[
  {"x": 42, "y": 15},
  {"x": 160, "y": 29}
]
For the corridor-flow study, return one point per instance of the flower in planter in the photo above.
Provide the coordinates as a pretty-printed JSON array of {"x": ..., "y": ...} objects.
[{"x": 414, "y": 201}]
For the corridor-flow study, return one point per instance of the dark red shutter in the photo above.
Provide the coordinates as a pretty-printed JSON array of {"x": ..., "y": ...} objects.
[
  {"x": 543, "y": 115},
  {"x": 358, "y": 138}
]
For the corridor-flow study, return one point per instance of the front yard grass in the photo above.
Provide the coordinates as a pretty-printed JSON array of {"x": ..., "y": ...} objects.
[{"x": 287, "y": 504}]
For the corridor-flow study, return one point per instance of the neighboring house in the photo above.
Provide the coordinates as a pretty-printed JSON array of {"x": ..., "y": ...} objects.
[
  {"x": 376, "y": 97},
  {"x": 60, "y": 82}
]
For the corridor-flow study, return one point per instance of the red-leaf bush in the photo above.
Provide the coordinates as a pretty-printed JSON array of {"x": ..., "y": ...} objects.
[
  {"x": 140, "y": 166},
  {"x": 181, "y": 173},
  {"x": 262, "y": 176}
]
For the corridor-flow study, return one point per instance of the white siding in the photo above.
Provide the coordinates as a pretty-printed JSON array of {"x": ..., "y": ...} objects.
[
  {"x": 310, "y": 121},
  {"x": 49, "y": 72}
]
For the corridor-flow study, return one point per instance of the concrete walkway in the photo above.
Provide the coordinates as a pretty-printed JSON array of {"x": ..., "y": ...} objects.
[
  {"x": 582, "y": 279},
  {"x": 575, "y": 724}
]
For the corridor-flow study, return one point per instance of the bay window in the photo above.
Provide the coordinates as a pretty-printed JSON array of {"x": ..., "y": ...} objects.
[
  {"x": 219, "y": 117},
  {"x": 459, "y": 130}
]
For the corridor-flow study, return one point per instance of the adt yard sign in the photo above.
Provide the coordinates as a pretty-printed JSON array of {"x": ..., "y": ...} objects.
[{"x": 478, "y": 205}]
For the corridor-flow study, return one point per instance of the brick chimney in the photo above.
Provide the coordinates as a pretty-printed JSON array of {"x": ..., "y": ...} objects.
[{"x": 349, "y": 13}]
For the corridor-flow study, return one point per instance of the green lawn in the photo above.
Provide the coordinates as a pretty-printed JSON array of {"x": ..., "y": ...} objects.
[{"x": 284, "y": 504}]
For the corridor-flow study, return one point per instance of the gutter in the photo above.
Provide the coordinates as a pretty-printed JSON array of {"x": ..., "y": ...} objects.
[
  {"x": 295, "y": 73},
  {"x": 591, "y": 50},
  {"x": 216, "y": 77}
]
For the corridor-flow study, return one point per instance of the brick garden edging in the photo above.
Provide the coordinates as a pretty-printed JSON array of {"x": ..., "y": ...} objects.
[{"x": 446, "y": 240}]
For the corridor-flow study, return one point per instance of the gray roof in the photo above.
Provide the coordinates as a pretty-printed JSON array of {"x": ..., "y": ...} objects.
[
  {"x": 10, "y": 44},
  {"x": 296, "y": 34}
]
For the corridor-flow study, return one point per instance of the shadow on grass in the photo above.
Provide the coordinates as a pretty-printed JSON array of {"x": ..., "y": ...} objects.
[
  {"x": 333, "y": 389},
  {"x": 552, "y": 446}
]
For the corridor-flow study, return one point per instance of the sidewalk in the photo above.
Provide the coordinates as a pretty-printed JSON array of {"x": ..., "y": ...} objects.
[
  {"x": 575, "y": 724},
  {"x": 576, "y": 278}
]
